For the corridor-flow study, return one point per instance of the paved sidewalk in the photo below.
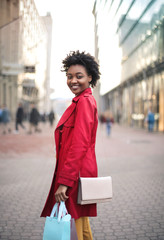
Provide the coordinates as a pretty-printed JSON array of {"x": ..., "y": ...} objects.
[{"x": 134, "y": 159}]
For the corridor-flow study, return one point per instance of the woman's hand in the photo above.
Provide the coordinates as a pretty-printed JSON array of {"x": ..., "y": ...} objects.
[{"x": 60, "y": 194}]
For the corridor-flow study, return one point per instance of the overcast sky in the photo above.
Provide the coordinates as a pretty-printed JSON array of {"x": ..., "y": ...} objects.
[{"x": 73, "y": 29}]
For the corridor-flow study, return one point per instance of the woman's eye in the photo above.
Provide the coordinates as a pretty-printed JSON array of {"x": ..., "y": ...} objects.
[
  {"x": 79, "y": 77},
  {"x": 69, "y": 77}
]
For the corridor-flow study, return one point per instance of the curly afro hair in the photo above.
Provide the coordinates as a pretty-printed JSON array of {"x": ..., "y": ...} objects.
[{"x": 84, "y": 59}]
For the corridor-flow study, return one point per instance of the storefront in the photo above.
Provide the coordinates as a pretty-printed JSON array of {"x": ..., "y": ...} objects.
[{"x": 142, "y": 96}]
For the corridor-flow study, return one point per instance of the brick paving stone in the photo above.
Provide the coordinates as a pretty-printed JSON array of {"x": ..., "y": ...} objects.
[
  {"x": 152, "y": 234},
  {"x": 108, "y": 231},
  {"x": 110, "y": 238}
]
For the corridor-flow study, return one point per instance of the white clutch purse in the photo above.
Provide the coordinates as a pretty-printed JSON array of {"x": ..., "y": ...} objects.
[{"x": 94, "y": 190}]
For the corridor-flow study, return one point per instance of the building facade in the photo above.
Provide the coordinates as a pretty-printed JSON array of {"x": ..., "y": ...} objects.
[
  {"x": 9, "y": 67},
  {"x": 24, "y": 76},
  {"x": 48, "y": 24},
  {"x": 133, "y": 49}
]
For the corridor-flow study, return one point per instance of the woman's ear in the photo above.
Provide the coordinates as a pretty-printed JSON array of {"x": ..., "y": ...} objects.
[{"x": 90, "y": 78}]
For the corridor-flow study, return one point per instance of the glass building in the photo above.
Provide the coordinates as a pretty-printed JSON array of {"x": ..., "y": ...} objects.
[{"x": 129, "y": 45}]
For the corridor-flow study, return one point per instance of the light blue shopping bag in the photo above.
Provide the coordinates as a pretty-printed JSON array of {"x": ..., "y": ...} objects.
[{"x": 58, "y": 225}]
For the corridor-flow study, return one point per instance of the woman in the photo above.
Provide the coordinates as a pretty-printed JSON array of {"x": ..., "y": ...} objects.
[{"x": 75, "y": 138}]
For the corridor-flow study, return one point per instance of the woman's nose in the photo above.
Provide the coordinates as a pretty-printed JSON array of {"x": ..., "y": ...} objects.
[{"x": 74, "y": 80}]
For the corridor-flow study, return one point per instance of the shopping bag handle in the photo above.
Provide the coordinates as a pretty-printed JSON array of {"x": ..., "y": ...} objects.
[
  {"x": 54, "y": 210},
  {"x": 59, "y": 213},
  {"x": 62, "y": 210}
]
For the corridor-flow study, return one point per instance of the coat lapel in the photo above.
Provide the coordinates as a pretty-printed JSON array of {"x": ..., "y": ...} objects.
[
  {"x": 66, "y": 114},
  {"x": 62, "y": 120}
]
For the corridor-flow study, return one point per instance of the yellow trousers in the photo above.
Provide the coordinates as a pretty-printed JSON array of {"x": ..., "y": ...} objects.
[{"x": 83, "y": 229}]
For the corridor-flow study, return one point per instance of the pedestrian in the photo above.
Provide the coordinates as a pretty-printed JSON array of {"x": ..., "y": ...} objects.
[
  {"x": 5, "y": 119},
  {"x": 34, "y": 119},
  {"x": 102, "y": 118},
  {"x": 0, "y": 114},
  {"x": 75, "y": 137},
  {"x": 51, "y": 117},
  {"x": 19, "y": 118},
  {"x": 108, "y": 126},
  {"x": 150, "y": 121},
  {"x": 118, "y": 116},
  {"x": 109, "y": 122},
  {"x": 43, "y": 117}
]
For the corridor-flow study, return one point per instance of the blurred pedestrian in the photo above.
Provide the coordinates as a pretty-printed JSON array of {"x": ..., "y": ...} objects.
[
  {"x": 109, "y": 122},
  {"x": 34, "y": 119},
  {"x": 150, "y": 121},
  {"x": 118, "y": 116},
  {"x": 108, "y": 126},
  {"x": 102, "y": 121},
  {"x": 19, "y": 118},
  {"x": 51, "y": 117},
  {"x": 75, "y": 137},
  {"x": 5, "y": 119},
  {"x": 102, "y": 118},
  {"x": 0, "y": 114},
  {"x": 43, "y": 117}
]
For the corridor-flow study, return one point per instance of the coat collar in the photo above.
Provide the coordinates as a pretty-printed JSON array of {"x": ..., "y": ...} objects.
[{"x": 71, "y": 108}]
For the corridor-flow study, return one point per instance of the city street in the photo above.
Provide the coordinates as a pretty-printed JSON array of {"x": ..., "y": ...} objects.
[{"x": 133, "y": 157}]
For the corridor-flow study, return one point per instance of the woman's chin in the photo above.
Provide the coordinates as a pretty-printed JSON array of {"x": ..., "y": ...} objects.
[{"x": 75, "y": 91}]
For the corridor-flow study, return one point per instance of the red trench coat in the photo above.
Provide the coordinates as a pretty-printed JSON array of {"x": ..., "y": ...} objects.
[{"x": 75, "y": 137}]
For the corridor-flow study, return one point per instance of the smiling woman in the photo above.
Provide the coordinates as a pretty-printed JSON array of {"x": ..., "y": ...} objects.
[{"x": 75, "y": 138}]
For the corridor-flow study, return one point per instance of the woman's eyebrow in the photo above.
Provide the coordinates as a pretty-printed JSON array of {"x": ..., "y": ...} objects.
[{"x": 75, "y": 73}]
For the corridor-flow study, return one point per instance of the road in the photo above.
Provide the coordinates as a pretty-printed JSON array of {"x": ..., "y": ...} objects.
[{"x": 135, "y": 160}]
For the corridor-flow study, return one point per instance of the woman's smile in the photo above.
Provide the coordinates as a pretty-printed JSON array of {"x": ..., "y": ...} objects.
[{"x": 74, "y": 87}]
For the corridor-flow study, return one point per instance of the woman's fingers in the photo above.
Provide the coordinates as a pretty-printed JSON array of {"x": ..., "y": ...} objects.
[
  {"x": 61, "y": 197},
  {"x": 60, "y": 194},
  {"x": 64, "y": 197}
]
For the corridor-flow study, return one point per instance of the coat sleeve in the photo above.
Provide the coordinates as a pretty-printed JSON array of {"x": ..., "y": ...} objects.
[{"x": 84, "y": 121}]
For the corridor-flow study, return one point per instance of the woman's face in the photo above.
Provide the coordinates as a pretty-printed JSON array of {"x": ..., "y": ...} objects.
[{"x": 78, "y": 79}]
